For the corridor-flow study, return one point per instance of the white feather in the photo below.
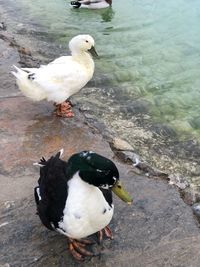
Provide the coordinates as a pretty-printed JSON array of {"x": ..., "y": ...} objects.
[
  {"x": 38, "y": 193},
  {"x": 84, "y": 212},
  {"x": 61, "y": 78},
  {"x": 61, "y": 152},
  {"x": 37, "y": 164}
]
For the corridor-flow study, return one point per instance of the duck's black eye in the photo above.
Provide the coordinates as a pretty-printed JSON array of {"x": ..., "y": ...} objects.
[
  {"x": 119, "y": 186},
  {"x": 87, "y": 41}
]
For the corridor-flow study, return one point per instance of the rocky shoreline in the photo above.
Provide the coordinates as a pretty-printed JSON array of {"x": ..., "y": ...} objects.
[{"x": 155, "y": 231}]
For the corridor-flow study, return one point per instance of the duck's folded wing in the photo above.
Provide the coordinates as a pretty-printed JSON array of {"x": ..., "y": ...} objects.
[
  {"x": 52, "y": 192},
  {"x": 60, "y": 60},
  {"x": 30, "y": 70},
  {"x": 60, "y": 81}
]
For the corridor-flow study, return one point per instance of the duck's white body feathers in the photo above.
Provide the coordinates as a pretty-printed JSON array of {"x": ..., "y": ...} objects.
[
  {"x": 86, "y": 211},
  {"x": 61, "y": 78},
  {"x": 99, "y": 5}
]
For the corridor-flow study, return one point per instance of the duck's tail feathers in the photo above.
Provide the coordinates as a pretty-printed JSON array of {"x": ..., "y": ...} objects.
[
  {"x": 60, "y": 153},
  {"x": 29, "y": 70},
  {"x": 26, "y": 84},
  {"x": 19, "y": 72},
  {"x": 43, "y": 161}
]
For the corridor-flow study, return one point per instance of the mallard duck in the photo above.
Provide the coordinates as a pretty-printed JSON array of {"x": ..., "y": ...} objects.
[
  {"x": 91, "y": 4},
  {"x": 74, "y": 198},
  {"x": 62, "y": 78}
]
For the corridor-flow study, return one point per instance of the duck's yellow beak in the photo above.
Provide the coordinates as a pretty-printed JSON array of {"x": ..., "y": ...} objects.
[{"x": 121, "y": 193}]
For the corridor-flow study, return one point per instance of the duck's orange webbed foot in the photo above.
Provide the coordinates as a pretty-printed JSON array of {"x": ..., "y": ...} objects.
[
  {"x": 105, "y": 232},
  {"x": 77, "y": 248},
  {"x": 64, "y": 109}
]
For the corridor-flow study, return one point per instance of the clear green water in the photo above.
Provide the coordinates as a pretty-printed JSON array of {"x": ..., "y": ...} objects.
[{"x": 148, "y": 48}]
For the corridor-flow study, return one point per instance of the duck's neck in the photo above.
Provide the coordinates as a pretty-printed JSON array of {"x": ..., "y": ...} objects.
[
  {"x": 77, "y": 184},
  {"x": 85, "y": 59}
]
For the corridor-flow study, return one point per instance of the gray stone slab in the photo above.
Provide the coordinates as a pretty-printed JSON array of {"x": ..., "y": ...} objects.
[{"x": 8, "y": 57}]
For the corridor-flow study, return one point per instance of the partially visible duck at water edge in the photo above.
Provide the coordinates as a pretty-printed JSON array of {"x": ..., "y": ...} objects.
[{"x": 91, "y": 4}]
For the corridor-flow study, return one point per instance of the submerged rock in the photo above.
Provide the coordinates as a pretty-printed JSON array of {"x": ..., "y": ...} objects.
[
  {"x": 126, "y": 153},
  {"x": 121, "y": 144},
  {"x": 2, "y": 26},
  {"x": 177, "y": 180},
  {"x": 196, "y": 210}
]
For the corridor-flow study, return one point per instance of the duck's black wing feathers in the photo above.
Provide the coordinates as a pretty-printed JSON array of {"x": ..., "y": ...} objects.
[{"x": 52, "y": 193}]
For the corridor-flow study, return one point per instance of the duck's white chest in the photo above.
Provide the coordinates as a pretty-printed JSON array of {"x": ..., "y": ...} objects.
[{"x": 86, "y": 210}]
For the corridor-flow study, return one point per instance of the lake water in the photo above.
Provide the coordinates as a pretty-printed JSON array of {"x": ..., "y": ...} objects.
[{"x": 149, "y": 55}]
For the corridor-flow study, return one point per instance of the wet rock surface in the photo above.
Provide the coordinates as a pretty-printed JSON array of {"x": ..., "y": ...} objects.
[{"x": 157, "y": 230}]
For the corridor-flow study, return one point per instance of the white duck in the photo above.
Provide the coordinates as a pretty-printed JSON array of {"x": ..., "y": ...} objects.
[
  {"x": 91, "y": 4},
  {"x": 62, "y": 78}
]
